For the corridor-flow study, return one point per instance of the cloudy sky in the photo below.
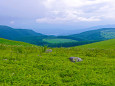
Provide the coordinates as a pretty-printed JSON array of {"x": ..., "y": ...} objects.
[{"x": 56, "y": 13}]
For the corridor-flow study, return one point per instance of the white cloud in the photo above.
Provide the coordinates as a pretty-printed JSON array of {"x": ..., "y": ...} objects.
[
  {"x": 66, "y": 19},
  {"x": 89, "y": 19},
  {"x": 51, "y": 20},
  {"x": 77, "y": 10},
  {"x": 71, "y": 3}
]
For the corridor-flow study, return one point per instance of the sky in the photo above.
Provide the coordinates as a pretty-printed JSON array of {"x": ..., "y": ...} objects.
[{"x": 56, "y": 14}]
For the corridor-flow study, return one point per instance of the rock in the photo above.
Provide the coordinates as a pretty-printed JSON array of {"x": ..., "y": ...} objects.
[
  {"x": 48, "y": 50},
  {"x": 75, "y": 59},
  {"x": 5, "y": 59}
]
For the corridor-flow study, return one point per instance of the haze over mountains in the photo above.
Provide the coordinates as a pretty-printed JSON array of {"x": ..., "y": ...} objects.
[{"x": 69, "y": 30}]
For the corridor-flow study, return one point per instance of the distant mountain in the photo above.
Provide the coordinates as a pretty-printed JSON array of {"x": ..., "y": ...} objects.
[
  {"x": 32, "y": 37},
  {"x": 101, "y": 26},
  {"x": 65, "y": 30},
  {"x": 13, "y": 34},
  {"x": 99, "y": 34}
]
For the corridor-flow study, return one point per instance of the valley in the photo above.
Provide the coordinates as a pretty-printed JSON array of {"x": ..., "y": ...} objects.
[
  {"x": 57, "y": 42},
  {"x": 39, "y": 39},
  {"x": 27, "y": 62}
]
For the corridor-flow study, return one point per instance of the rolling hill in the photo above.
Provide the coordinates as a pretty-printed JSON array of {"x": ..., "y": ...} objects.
[
  {"x": 107, "y": 44},
  {"x": 10, "y": 42},
  {"x": 32, "y": 37},
  {"x": 99, "y": 34},
  {"x": 13, "y": 34}
]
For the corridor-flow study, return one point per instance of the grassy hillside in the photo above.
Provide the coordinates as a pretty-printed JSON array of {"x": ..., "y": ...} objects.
[
  {"x": 31, "y": 66},
  {"x": 107, "y": 44},
  {"x": 10, "y": 42}
]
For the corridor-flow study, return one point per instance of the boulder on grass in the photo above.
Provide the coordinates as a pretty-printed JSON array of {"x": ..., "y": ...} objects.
[
  {"x": 75, "y": 59},
  {"x": 48, "y": 50}
]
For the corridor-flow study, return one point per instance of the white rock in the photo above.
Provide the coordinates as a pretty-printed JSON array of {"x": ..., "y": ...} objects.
[
  {"x": 48, "y": 50},
  {"x": 75, "y": 59}
]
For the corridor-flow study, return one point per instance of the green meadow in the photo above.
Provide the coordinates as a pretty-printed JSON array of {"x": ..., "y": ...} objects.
[
  {"x": 10, "y": 42},
  {"x": 58, "y": 40},
  {"x": 107, "y": 44},
  {"x": 22, "y": 64}
]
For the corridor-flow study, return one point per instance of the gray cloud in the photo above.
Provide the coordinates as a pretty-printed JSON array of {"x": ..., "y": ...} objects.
[
  {"x": 77, "y": 10},
  {"x": 26, "y": 13}
]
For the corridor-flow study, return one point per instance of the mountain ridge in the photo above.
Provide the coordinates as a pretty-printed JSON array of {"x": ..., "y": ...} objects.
[
  {"x": 32, "y": 37},
  {"x": 11, "y": 33},
  {"x": 98, "y": 34}
]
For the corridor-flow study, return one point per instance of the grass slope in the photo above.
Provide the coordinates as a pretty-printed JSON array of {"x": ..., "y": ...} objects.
[
  {"x": 10, "y": 42},
  {"x": 31, "y": 66},
  {"x": 107, "y": 44}
]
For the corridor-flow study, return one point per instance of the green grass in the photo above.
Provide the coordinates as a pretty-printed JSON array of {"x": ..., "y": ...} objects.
[
  {"x": 58, "y": 40},
  {"x": 10, "y": 42},
  {"x": 31, "y": 66},
  {"x": 107, "y": 44}
]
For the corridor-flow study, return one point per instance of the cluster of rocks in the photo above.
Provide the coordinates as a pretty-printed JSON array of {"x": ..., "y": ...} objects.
[{"x": 73, "y": 59}]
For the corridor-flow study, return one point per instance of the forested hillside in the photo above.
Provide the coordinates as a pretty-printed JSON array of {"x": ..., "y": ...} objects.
[{"x": 99, "y": 34}]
